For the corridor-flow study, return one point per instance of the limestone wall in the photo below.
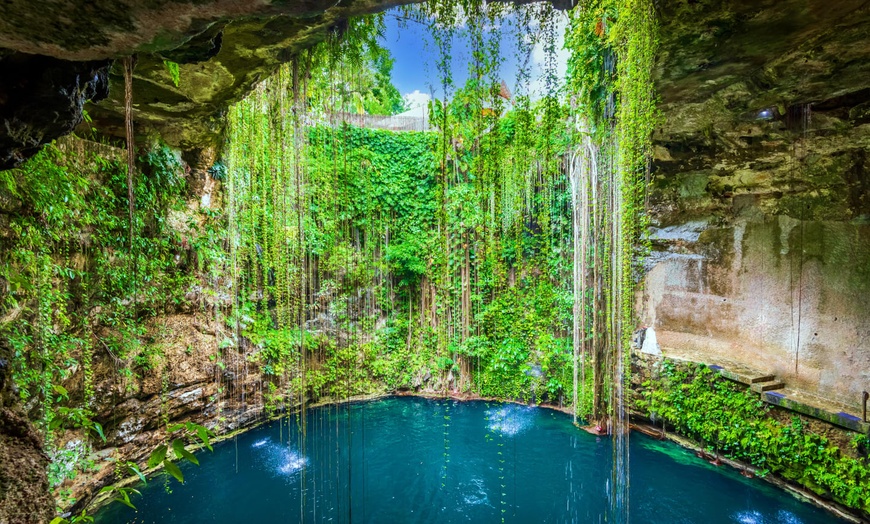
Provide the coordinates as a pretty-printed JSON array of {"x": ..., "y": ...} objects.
[
  {"x": 760, "y": 192},
  {"x": 784, "y": 296}
]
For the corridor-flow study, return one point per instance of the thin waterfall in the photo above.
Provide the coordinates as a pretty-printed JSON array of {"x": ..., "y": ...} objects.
[{"x": 583, "y": 175}]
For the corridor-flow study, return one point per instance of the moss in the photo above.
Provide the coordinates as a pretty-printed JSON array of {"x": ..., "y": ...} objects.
[{"x": 692, "y": 186}]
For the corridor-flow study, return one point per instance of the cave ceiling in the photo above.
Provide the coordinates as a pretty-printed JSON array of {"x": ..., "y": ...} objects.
[{"x": 722, "y": 63}]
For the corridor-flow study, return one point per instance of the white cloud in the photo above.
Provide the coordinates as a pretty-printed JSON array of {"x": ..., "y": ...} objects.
[{"x": 417, "y": 99}]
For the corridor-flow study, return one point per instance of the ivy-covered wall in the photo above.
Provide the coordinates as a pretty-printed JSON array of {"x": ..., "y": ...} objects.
[
  {"x": 78, "y": 325},
  {"x": 728, "y": 419}
]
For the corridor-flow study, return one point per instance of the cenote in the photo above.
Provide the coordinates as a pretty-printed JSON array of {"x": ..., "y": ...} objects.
[
  {"x": 404, "y": 460},
  {"x": 651, "y": 214}
]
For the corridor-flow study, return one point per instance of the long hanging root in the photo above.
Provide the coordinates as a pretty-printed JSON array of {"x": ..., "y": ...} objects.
[{"x": 129, "y": 64}]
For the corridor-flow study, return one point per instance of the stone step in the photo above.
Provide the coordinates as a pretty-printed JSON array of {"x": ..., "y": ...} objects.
[
  {"x": 743, "y": 375},
  {"x": 769, "y": 385}
]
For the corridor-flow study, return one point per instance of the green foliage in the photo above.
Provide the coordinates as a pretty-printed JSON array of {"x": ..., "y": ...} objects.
[
  {"x": 405, "y": 245},
  {"x": 355, "y": 260},
  {"x": 72, "y": 286},
  {"x": 727, "y": 417},
  {"x": 74, "y": 519},
  {"x": 68, "y": 248},
  {"x": 352, "y": 72},
  {"x": 612, "y": 116},
  {"x": 590, "y": 72},
  {"x": 174, "y": 73}
]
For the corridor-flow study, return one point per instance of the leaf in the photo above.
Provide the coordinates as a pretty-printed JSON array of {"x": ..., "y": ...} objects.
[
  {"x": 180, "y": 452},
  {"x": 99, "y": 429},
  {"x": 125, "y": 497},
  {"x": 58, "y": 520},
  {"x": 60, "y": 390},
  {"x": 174, "y": 72},
  {"x": 175, "y": 427},
  {"x": 157, "y": 456},
  {"x": 177, "y": 446},
  {"x": 125, "y": 500},
  {"x": 190, "y": 457},
  {"x": 173, "y": 470},
  {"x": 135, "y": 469},
  {"x": 202, "y": 433}
]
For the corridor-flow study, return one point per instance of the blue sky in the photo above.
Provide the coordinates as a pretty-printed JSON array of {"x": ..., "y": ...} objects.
[{"x": 415, "y": 70}]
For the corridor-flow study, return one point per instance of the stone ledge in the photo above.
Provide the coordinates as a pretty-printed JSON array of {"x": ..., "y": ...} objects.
[{"x": 841, "y": 418}]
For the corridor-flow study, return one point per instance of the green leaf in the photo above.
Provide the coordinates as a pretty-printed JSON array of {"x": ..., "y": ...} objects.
[
  {"x": 157, "y": 456},
  {"x": 99, "y": 429},
  {"x": 58, "y": 520},
  {"x": 190, "y": 457},
  {"x": 60, "y": 390},
  {"x": 180, "y": 452},
  {"x": 177, "y": 447},
  {"x": 174, "y": 72},
  {"x": 202, "y": 433},
  {"x": 173, "y": 470},
  {"x": 125, "y": 500},
  {"x": 125, "y": 497},
  {"x": 135, "y": 469}
]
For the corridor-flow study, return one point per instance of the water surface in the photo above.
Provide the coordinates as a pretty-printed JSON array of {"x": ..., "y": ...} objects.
[{"x": 413, "y": 460}]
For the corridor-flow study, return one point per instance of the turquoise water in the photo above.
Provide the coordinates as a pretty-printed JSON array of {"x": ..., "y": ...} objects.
[{"x": 412, "y": 460}]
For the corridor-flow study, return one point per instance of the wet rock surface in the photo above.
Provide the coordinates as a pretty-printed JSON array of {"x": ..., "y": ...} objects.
[
  {"x": 24, "y": 493},
  {"x": 222, "y": 48},
  {"x": 183, "y": 384}
]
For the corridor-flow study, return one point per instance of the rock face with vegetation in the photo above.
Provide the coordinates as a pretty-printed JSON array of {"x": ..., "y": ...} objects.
[
  {"x": 726, "y": 419},
  {"x": 24, "y": 494},
  {"x": 761, "y": 190}
]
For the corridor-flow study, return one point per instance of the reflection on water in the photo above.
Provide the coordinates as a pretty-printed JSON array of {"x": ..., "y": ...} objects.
[{"x": 756, "y": 517}]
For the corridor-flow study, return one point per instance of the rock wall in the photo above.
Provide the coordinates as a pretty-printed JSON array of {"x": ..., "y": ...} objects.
[
  {"x": 185, "y": 384},
  {"x": 222, "y": 47},
  {"x": 24, "y": 495},
  {"x": 41, "y": 99},
  {"x": 761, "y": 191}
]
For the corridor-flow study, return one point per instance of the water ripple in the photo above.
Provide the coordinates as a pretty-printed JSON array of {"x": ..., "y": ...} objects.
[
  {"x": 509, "y": 419},
  {"x": 474, "y": 493},
  {"x": 281, "y": 460}
]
